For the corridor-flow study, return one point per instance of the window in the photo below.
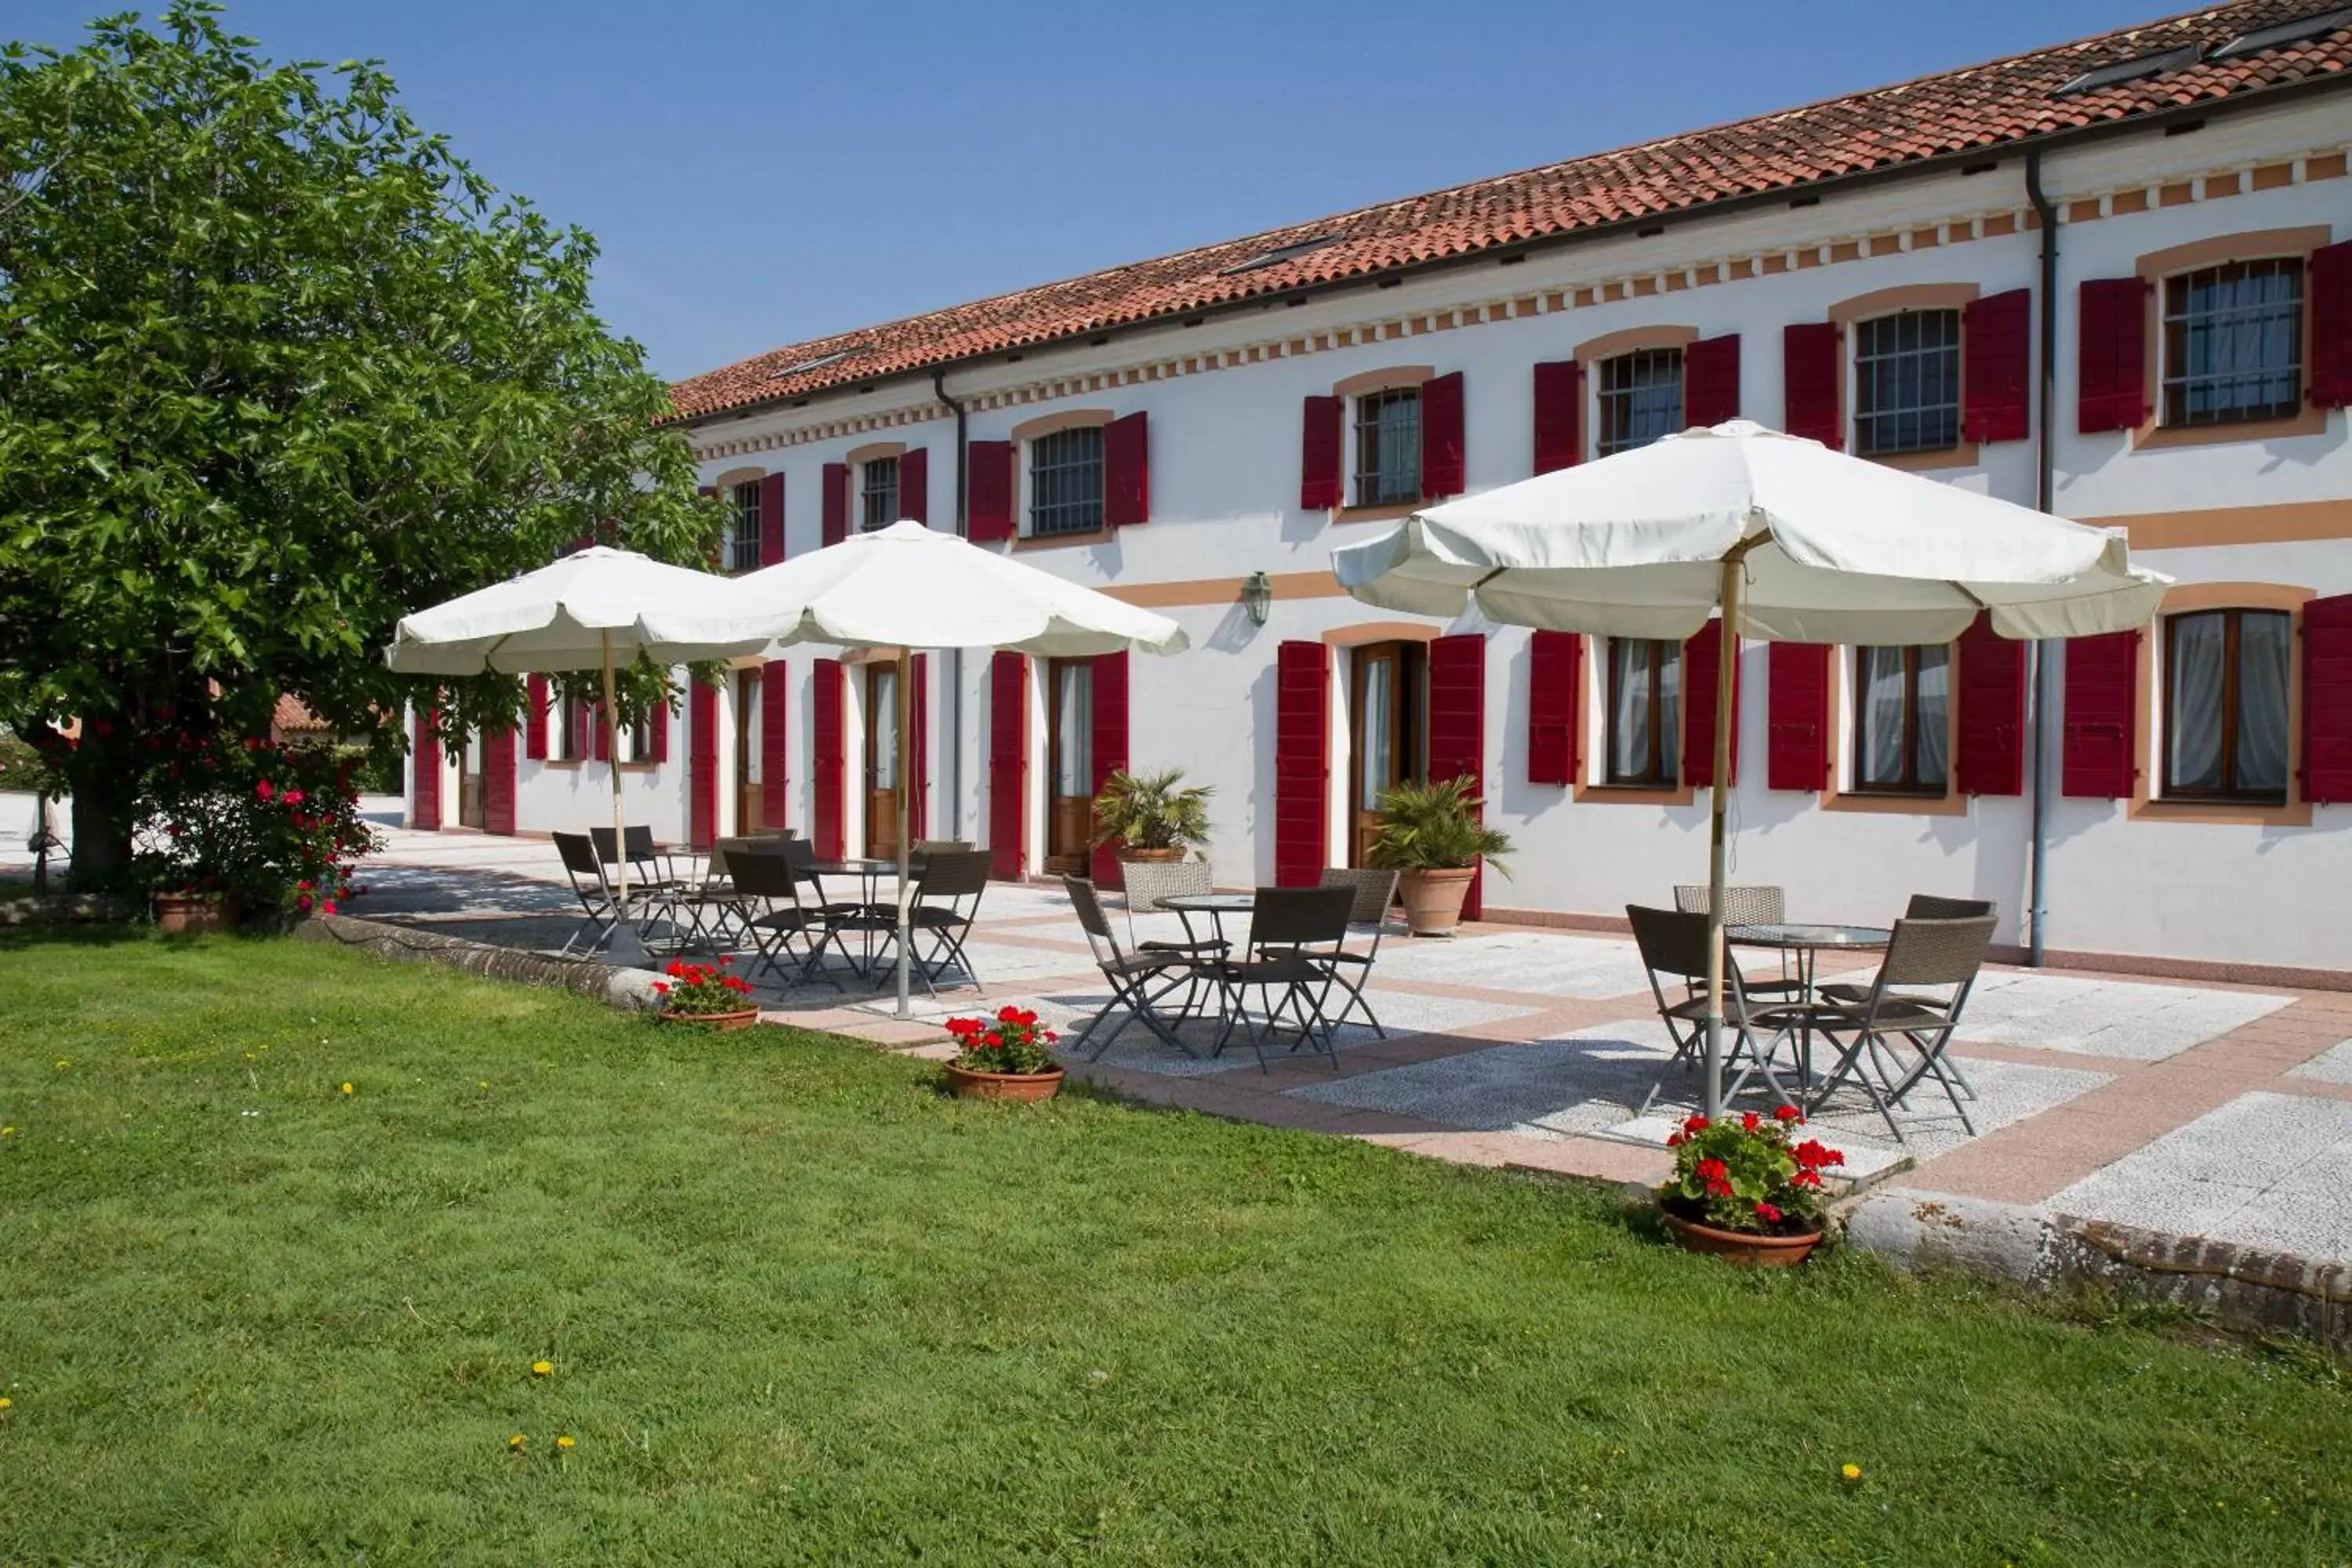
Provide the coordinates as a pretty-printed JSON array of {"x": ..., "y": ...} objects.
[
  {"x": 1066, "y": 481},
  {"x": 1903, "y": 719},
  {"x": 570, "y": 728},
  {"x": 2225, "y": 685},
  {"x": 1907, "y": 382},
  {"x": 637, "y": 741},
  {"x": 1641, "y": 399},
  {"x": 877, "y": 494},
  {"x": 1645, "y": 711},
  {"x": 1388, "y": 446},
  {"x": 743, "y": 544},
  {"x": 2233, "y": 343}
]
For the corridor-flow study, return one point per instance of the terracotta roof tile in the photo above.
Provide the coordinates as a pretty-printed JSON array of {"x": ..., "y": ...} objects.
[{"x": 2003, "y": 102}]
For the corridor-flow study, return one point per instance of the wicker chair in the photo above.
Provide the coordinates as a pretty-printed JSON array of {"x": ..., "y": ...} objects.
[
  {"x": 1374, "y": 891},
  {"x": 1922, "y": 907},
  {"x": 1674, "y": 944},
  {"x": 1293, "y": 933},
  {"x": 1758, "y": 904},
  {"x": 1943, "y": 956},
  {"x": 767, "y": 898}
]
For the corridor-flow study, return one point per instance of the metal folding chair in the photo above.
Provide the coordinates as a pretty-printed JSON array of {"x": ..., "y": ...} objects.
[
  {"x": 939, "y": 918},
  {"x": 711, "y": 905},
  {"x": 1129, "y": 974},
  {"x": 654, "y": 884},
  {"x": 1294, "y": 932},
  {"x": 1373, "y": 891},
  {"x": 1922, "y": 907},
  {"x": 767, "y": 892},
  {"x": 586, "y": 872},
  {"x": 1936, "y": 954},
  {"x": 1674, "y": 943}
]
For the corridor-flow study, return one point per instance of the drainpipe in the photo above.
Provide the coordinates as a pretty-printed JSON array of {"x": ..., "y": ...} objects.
[
  {"x": 2045, "y": 493},
  {"x": 955, "y": 654}
]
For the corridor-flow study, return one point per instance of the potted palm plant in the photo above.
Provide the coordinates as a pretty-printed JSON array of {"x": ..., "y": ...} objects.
[
  {"x": 1152, "y": 817},
  {"x": 1432, "y": 835}
]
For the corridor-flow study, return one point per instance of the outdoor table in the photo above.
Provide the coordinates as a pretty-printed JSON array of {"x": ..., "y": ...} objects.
[
  {"x": 1216, "y": 906},
  {"x": 1808, "y": 942},
  {"x": 869, "y": 873}
]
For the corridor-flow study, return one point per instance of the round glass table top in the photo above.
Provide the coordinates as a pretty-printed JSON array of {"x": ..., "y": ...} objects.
[
  {"x": 1210, "y": 903},
  {"x": 1809, "y": 936}
]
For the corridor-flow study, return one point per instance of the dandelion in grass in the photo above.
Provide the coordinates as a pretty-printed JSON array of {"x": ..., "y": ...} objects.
[
  {"x": 564, "y": 1444},
  {"x": 8, "y": 1132},
  {"x": 1851, "y": 1473},
  {"x": 518, "y": 1443},
  {"x": 542, "y": 1368},
  {"x": 347, "y": 1088}
]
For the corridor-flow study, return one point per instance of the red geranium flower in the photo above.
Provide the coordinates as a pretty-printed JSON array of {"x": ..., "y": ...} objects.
[
  {"x": 1788, "y": 1113},
  {"x": 1696, "y": 1124},
  {"x": 1751, "y": 1121},
  {"x": 1766, "y": 1213}
]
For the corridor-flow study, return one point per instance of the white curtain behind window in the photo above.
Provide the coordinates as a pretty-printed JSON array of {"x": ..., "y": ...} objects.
[
  {"x": 1074, "y": 711},
  {"x": 1669, "y": 656},
  {"x": 1379, "y": 739},
  {"x": 882, "y": 691},
  {"x": 2263, "y": 645},
  {"x": 1629, "y": 726},
  {"x": 1881, "y": 706},
  {"x": 1935, "y": 715},
  {"x": 2193, "y": 727}
]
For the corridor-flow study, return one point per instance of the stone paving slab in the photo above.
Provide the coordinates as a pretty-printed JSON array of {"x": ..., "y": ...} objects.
[
  {"x": 2265, "y": 1170},
  {"x": 2333, "y": 1065},
  {"x": 1541, "y": 963},
  {"x": 2124, "y": 1019}
]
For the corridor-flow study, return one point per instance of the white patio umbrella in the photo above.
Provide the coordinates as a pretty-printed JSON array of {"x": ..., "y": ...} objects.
[
  {"x": 582, "y": 612},
  {"x": 1794, "y": 543},
  {"x": 905, "y": 587}
]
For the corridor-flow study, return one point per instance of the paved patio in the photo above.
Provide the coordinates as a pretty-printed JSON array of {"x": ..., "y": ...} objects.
[{"x": 2192, "y": 1108}]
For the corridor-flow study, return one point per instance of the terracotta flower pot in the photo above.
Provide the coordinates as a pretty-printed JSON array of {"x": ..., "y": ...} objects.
[
  {"x": 1153, "y": 856},
  {"x": 970, "y": 1085},
  {"x": 724, "y": 1023},
  {"x": 1739, "y": 1248},
  {"x": 185, "y": 914},
  {"x": 1432, "y": 898}
]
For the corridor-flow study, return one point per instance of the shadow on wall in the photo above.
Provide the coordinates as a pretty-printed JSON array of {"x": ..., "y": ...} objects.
[
  {"x": 1236, "y": 632},
  {"x": 1265, "y": 693}
]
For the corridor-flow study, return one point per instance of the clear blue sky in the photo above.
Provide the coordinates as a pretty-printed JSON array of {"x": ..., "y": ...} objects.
[{"x": 758, "y": 172}]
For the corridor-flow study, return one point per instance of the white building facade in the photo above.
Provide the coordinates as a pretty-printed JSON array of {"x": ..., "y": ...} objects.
[{"x": 2178, "y": 796}]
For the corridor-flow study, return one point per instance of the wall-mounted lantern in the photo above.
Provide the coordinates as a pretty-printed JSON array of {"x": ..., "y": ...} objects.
[{"x": 1257, "y": 596}]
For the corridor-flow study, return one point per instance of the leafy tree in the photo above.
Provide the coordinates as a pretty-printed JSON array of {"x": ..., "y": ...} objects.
[{"x": 276, "y": 367}]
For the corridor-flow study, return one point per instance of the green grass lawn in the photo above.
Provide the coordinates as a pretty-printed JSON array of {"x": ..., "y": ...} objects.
[{"x": 800, "y": 1306}]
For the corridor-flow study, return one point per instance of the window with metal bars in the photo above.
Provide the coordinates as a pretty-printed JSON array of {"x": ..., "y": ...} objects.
[
  {"x": 2225, "y": 705},
  {"x": 1903, "y": 719},
  {"x": 1066, "y": 481},
  {"x": 1645, "y": 711},
  {"x": 2233, "y": 343},
  {"x": 1388, "y": 446},
  {"x": 743, "y": 544},
  {"x": 1641, "y": 398},
  {"x": 1907, "y": 382},
  {"x": 877, "y": 494}
]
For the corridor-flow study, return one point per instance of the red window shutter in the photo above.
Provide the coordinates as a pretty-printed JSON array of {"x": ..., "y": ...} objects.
[
  {"x": 2328, "y": 699},
  {"x": 1008, "y": 764},
  {"x": 775, "y": 740},
  {"x": 2111, "y": 350},
  {"x": 915, "y": 485},
  {"x": 426, "y": 765},
  {"x": 600, "y": 732},
  {"x": 988, "y": 498},
  {"x": 1560, "y": 399},
  {"x": 2099, "y": 754},
  {"x": 1711, "y": 380},
  {"x": 1996, "y": 366},
  {"x": 1457, "y": 726},
  {"x": 1302, "y": 762},
  {"x": 918, "y": 747},
  {"x": 1797, "y": 716},
  {"x": 499, "y": 782},
  {"x": 657, "y": 722},
  {"x": 1555, "y": 682},
  {"x": 1320, "y": 484},
  {"x": 771, "y": 520},
  {"x": 583, "y": 729},
  {"x": 1699, "y": 707},
  {"x": 2329, "y": 285},
  {"x": 701, "y": 763},
  {"x": 1109, "y": 741},
  {"x": 835, "y": 485},
  {"x": 1441, "y": 436},
  {"x": 1126, "y": 471},
  {"x": 534, "y": 718},
  {"x": 826, "y": 763},
  {"x": 1812, "y": 378},
  {"x": 1989, "y": 753},
  {"x": 705, "y": 490}
]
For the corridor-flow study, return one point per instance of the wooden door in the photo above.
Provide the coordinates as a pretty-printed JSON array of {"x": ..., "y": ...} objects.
[
  {"x": 748, "y": 716},
  {"x": 1385, "y": 740},
  {"x": 1070, "y": 765},
  {"x": 471, "y": 812},
  {"x": 882, "y": 770}
]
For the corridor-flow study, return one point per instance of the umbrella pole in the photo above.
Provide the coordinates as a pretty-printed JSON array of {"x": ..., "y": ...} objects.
[
  {"x": 1726, "y": 662},
  {"x": 907, "y": 785},
  {"x": 620, "y": 834}
]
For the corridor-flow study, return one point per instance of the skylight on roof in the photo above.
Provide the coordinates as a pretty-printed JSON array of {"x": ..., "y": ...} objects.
[
  {"x": 1279, "y": 254},
  {"x": 2316, "y": 25},
  {"x": 2133, "y": 69},
  {"x": 817, "y": 363}
]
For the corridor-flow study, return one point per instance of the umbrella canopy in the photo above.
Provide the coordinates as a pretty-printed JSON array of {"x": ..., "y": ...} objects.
[
  {"x": 1837, "y": 550},
  {"x": 1791, "y": 541},
  {"x": 578, "y": 613},
  {"x": 907, "y": 586}
]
